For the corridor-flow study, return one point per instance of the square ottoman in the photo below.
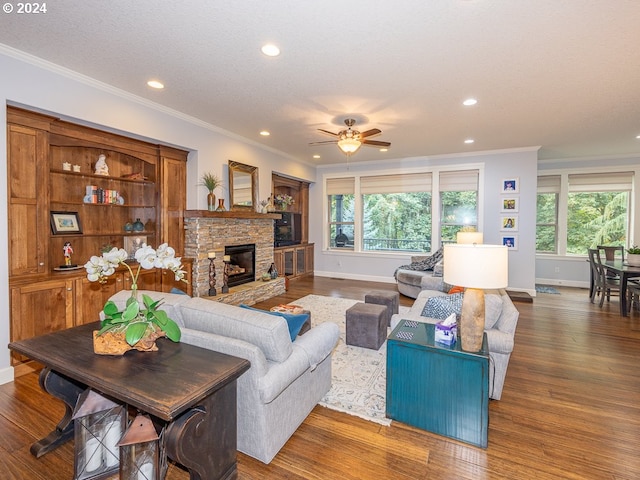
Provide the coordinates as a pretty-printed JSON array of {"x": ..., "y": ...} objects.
[
  {"x": 383, "y": 297},
  {"x": 366, "y": 325}
]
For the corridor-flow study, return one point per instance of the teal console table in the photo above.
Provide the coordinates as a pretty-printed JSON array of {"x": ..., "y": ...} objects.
[{"x": 435, "y": 387}]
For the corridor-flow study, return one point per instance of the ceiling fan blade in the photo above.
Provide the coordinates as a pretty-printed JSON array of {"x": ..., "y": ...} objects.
[
  {"x": 328, "y": 132},
  {"x": 370, "y": 133},
  {"x": 324, "y": 143},
  {"x": 376, "y": 143}
]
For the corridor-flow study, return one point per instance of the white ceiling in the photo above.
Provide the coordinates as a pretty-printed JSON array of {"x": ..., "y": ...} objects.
[{"x": 564, "y": 75}]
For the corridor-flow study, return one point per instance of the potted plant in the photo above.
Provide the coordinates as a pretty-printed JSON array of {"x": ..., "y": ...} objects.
[
  {"x": 211, "y": 182},
  {"x": 633, "y": 256},
  {"x": 140, "y": 324}
]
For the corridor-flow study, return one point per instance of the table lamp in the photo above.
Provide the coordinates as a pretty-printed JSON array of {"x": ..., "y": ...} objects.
[
  {"x": 469, "y": 237},
  {"x": 475, "y": 267}
]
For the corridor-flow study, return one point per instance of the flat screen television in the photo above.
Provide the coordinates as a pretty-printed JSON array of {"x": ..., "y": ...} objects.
[{"x": 287, "y": 230}]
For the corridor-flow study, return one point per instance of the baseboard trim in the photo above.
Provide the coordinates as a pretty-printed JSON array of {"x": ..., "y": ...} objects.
[{"x": 6, "y": 375}]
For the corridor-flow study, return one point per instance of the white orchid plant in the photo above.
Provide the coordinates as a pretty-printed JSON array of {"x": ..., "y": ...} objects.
[{"x": 135, "y": 320}]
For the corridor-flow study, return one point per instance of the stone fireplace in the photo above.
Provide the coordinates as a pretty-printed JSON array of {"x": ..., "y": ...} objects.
[{"x": 207, "y": 232}]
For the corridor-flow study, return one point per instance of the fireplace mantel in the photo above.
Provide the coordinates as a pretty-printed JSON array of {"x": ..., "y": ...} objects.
[{"x": 242, "y": 214}]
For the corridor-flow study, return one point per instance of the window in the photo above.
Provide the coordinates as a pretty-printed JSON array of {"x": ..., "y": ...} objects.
[
  {"x": 596, "y": 207},
  {"x": 340, "y": 192},
  {"x": 547, "y": 214},
  {"x": 597, "y": 210},
  {"x": 458, "y": 203},
  {"x": 396, "y": 212}
]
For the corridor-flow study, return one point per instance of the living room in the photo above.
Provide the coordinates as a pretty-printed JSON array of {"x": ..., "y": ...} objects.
[{"x": 36, "y": 84}]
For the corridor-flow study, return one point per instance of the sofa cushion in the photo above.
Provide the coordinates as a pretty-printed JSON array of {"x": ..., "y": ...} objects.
[
  {"x": 492, "y": 308},
  {"x": 294, "y": 321},
  {"x": 442, "y": 306},
  {"x": 267, "y": 332}
]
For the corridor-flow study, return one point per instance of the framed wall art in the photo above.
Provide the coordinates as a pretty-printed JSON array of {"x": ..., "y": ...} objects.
[
  {"x": 510, "y": 241},
  {"x": 133, "y": 243},
  {"x": 510, "y": 204},
  {"x": 511, "y": 185},
  {"x": 64, "y": 223},
  {"x": 509, "y": 223}
]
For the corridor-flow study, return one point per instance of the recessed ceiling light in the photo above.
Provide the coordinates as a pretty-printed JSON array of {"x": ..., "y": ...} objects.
[
  {"x": 316, "y": 156},
  {"x": 384, "y": 149},
  {"x": 638, "y": 137},
  {"x": 469, "y": 101},
  {"x": 270, "y": 50},
  {"x": 264, "y": 133},
  {"x": 469, "y": 140},
  {"x": 155, "y": 84}
]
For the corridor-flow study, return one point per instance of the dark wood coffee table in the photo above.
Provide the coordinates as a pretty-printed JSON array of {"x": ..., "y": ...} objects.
[{"x": 191, "y": 389}]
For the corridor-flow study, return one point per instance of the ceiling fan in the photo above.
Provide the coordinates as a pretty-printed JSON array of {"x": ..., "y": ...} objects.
[{"x": 350, "y": 140}]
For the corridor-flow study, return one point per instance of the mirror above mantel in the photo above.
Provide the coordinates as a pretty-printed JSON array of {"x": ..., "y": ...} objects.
[{"x": 243, "y": 186}]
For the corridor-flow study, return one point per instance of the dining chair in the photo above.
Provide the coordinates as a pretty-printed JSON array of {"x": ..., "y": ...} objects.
[
  {"x": 633, "y": 296},
  {"x": 610, "y": 254},
  {"x": 603, "y": 285}
]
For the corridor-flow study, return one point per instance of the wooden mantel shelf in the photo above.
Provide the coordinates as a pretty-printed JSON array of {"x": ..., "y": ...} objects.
[{"x": 249, "y": 214}]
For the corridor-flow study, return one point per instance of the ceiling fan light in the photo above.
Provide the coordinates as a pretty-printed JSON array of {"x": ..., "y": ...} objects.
[{"x": 349, "y": 145}]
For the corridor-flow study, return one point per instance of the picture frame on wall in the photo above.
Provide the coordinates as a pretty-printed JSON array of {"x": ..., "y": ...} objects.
[
  {"x": 510, "y": 241},
  {"x": 65, "y": 223},
  {"x": 511, "y": 185},
  {"x": 133, "y": 243},
  {"x": 510, "y": 204},
  {"x": 509, "y": 223}
]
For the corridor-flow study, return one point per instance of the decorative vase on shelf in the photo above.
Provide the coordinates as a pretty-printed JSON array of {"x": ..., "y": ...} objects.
[
  {"x": 273, "y": 271},
  {"x": 221, "y": 205},
  {"x": 138, "y": 226},
  {"x": 211, "y": 202}
]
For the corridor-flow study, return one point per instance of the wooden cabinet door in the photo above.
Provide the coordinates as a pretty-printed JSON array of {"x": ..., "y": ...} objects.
[
  {"x": 308, "y": 255},
  {"x": 173, "y": 196},
  {"x": 91, "y": 297},
  {"x": 147, "y": 280},
  {"x": 28, "y": 209},
  {"x": 39, "y": 308}
]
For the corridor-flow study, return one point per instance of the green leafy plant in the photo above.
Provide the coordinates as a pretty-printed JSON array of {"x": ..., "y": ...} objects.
[
  {"x": 634, "y": 250},
  {"x": 136, "y": 320},
  {"x": 210, "y": 181}
]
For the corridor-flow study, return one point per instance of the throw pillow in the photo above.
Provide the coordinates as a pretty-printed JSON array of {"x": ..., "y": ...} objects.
[
  {"x": 441, "y": 307},
  {"x": 455, "y": 289},
  {"x": 294, "y": 321},
  {"x": 438, "y": 269}
]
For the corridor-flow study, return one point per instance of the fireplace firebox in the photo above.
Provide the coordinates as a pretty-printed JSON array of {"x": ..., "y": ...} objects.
[{"x": 242, "y": 263}]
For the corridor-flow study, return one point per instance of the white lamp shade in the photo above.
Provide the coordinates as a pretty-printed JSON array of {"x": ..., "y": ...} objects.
[
  {"x": 476, "y": 266},
  {"x": 469, "y": 237}
]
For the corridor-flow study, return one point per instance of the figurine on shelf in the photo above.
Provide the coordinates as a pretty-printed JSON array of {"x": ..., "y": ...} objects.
[
  {"x": 101, "y": 166},
  {"x": 67, "y": 251}
]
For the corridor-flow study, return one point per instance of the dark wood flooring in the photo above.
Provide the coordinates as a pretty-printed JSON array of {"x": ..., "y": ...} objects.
[{"x": 570, "y": 410}]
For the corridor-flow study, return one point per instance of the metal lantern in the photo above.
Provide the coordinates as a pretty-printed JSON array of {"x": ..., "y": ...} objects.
[
  {"x": 98, "y": 426},
  {"x": 142, "y": 451}
]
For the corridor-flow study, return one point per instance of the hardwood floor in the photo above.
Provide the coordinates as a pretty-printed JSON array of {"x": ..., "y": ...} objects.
[{"x": 570, "y": 409}]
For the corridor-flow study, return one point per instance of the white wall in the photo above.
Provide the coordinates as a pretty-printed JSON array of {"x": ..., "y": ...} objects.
[
  {"x": 497, "y": 165},
  {"x": 28, "y": 82}
]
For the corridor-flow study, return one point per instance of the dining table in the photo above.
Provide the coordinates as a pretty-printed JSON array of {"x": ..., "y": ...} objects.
[{"x": 625, "y": 272}]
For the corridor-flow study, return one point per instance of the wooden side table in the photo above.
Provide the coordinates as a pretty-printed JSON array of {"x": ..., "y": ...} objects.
[
  {"x": 191, "y": 389},
  {"x": 438, "y": 388}
]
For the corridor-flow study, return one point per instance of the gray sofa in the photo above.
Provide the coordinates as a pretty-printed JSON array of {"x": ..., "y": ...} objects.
[
  {"x": 412, "y": 282},
  {"x": 286, "y": 379},
  {"x": 501, "y": 319}
]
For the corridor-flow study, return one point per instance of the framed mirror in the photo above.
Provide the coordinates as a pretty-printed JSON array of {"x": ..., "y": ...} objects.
[{"x": 243, "y": 186}]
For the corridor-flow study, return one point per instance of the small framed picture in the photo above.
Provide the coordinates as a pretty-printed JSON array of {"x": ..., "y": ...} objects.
[
  {"x": 133, "y": 243},
  {"x": 509, "y": 223},
  {"x": 510, "y": 204},
  {"x": 511, "y": 185},
  {"x": 64, "y": 223},
  {"x": 510, "y": 241}
]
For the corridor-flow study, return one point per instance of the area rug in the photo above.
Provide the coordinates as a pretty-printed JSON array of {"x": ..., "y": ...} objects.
[
  {"x": 546, "y": 289},
  {"x": 358, "y": 384}
]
